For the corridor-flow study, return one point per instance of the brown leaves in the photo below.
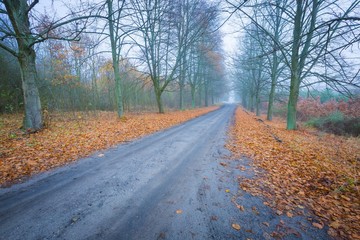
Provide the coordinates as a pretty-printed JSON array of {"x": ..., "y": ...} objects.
[
  {"x": 70, "y": 137},
  {"x": 236, "y": 226},
  {"x": 307, "y": 168},
  {"x": 318, "y": 225},
  {"x": 179, "y": 211}
]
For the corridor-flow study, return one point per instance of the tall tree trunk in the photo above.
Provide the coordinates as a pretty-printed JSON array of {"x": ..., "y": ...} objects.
[
  {"x": 159, "y": 101},
  {"x": 182, "y": 82},
  {"x": 206, "y": 94},
  {"x": 118, "y": 92},
  {"x": 115, "y": 60},
  {"x": 199, "y": 93},
  {"x": 274, "y": 69},
  {"x": 271, "y": 97},
  {"x": 192, "y": 96},
  {"x": 18, "y": 14},
  {"x": 275, "y": 62},
  {"x": 257, "y": 99},
  {"x": 295, "y": 72},
  {"x": 33, "y": 116},
  {"x": 181, "y": 105},
  {"x": 293, "y": 99}
]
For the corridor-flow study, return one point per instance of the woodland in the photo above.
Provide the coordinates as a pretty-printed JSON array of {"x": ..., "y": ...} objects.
[{"x": 82, "y": 76}]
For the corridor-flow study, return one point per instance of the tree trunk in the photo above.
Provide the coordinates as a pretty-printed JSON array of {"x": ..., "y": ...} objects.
[
  {"x": 118, "y": 93},
  {"x": 293, "y": 99},
  {"x": 181, "y": 105},
  {"x": 115, "y": 60},
  {"x": 192, "y": 96},
  {"x": 275, "y": 62},
  {"x": 159, "y": 101},
  {"x": 295, "y": 71},
  {"x": 271, "y": 97},
  {"x": 257, "y": 104},
  {"x": 18, "y": 15},
  {"x": 33, "y": 116},
  {"x": 206, "y": 95}
]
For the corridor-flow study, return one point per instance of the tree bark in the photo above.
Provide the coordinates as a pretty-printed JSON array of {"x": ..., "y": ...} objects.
[
  {"x": 33, "y": 116},
  {"x": 272, "y": 93},
  {"x": 192, "y": 96},
  {"x": 295, "y": 73},
  {"x": 115, "y": 60},
  {"x": 18, "y": 15},
  {"x": 159, "y": 102}
]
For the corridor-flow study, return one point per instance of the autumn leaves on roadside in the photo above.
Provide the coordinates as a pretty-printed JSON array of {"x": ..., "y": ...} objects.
[
  {"x": 74, "y": 135},
  {"x": 303, "y": 168}
]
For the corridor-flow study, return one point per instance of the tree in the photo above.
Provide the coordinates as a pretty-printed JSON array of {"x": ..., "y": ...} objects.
[
  {"x": 311, "y": 36},
  {"x": 16, "y": 25},
  {"x": 116, "y": 37},
  {"x": 17, "y": 12},
  {"x": 168, "y": 29}
]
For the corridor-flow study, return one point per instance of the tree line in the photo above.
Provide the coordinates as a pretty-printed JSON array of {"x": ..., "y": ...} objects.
[
  {"x": 109, "y": 55},
  {"x": 291, "y": 46}
]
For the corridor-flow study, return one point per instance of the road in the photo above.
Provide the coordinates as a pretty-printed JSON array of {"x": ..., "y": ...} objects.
[{"x": 169, "y": 185}]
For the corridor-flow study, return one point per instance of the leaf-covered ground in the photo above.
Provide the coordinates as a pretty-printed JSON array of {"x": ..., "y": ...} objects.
[
  {"x": 303, "y": 168},
  {"x": 72, "y": 136}
]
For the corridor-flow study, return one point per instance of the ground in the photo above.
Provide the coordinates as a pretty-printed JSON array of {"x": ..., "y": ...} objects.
[
  {"x": 303, "y": 168},
  {"x": 182, "y": 183},
  {"x": 70, "y": 136}
]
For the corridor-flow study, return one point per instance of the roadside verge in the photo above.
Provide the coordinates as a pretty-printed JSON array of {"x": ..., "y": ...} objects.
[
  {"x": 299, "y": 170},
  {"x": 78, "y": 135}
]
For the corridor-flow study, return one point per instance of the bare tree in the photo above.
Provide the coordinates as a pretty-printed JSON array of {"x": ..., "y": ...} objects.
[
  {"x": 15, "y": 16},
  {"x": 309, "y": 42}
]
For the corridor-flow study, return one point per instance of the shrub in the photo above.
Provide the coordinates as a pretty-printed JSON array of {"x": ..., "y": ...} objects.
[{"x": 337, "y": 123}]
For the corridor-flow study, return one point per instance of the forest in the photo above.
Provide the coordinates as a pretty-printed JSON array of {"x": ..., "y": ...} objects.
[
  {"x": 108, "y": 55},
  {"x": 183, "y": 94}
]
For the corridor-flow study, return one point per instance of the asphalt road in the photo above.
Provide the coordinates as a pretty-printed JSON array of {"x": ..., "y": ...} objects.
[{"x": 169, "y": 185}]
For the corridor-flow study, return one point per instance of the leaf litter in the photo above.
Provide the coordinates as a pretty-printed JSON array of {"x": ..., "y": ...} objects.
[
  {"x": 71, "y": 136},
  {"x": 301, "y": 168}
]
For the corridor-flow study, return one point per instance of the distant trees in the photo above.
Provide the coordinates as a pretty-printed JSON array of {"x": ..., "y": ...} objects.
[
  {"x": 165, "y": 46},
  {"x": 317, "y": 31},
  {"x": 168, "y": 30}
]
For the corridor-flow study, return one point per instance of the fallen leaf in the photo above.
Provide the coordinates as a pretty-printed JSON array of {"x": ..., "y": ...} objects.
[
  {"x": 241, "y": 207},
  {"x": 345, "y": 197},
  {"x": 227, "y": 190},
  {"x": 101, "y": 155},
  {"x": 179, "y": 211},
  {"x": 236, "y": 226},
  {"x": 266, "y": 224},
  {"x": 223, "y": 164},
  {"x": 335, "y": 224},
  {"x": 318, "y": 225},
  {"x": 289, "y": 214}
]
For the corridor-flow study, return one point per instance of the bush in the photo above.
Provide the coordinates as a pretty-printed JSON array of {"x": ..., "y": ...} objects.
[
  {"x": 312, "y": 108},
  {"x": 337, "y": 123}
]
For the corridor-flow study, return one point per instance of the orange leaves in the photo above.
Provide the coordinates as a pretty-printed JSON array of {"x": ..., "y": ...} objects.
[
  {"x": 305, "y": 168},
  {"x": 236, "y": 226},
  {"x": 179, "y": 211},
  {"x": 71, "y": 136}
]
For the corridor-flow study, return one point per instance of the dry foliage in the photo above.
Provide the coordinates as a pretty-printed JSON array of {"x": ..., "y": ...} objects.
[
  {"x": 71, "y": 136},
  {"x": 303, "y": 168}
]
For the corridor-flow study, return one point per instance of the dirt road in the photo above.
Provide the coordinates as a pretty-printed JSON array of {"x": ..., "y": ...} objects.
[{"x": 169, "y": 185}]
